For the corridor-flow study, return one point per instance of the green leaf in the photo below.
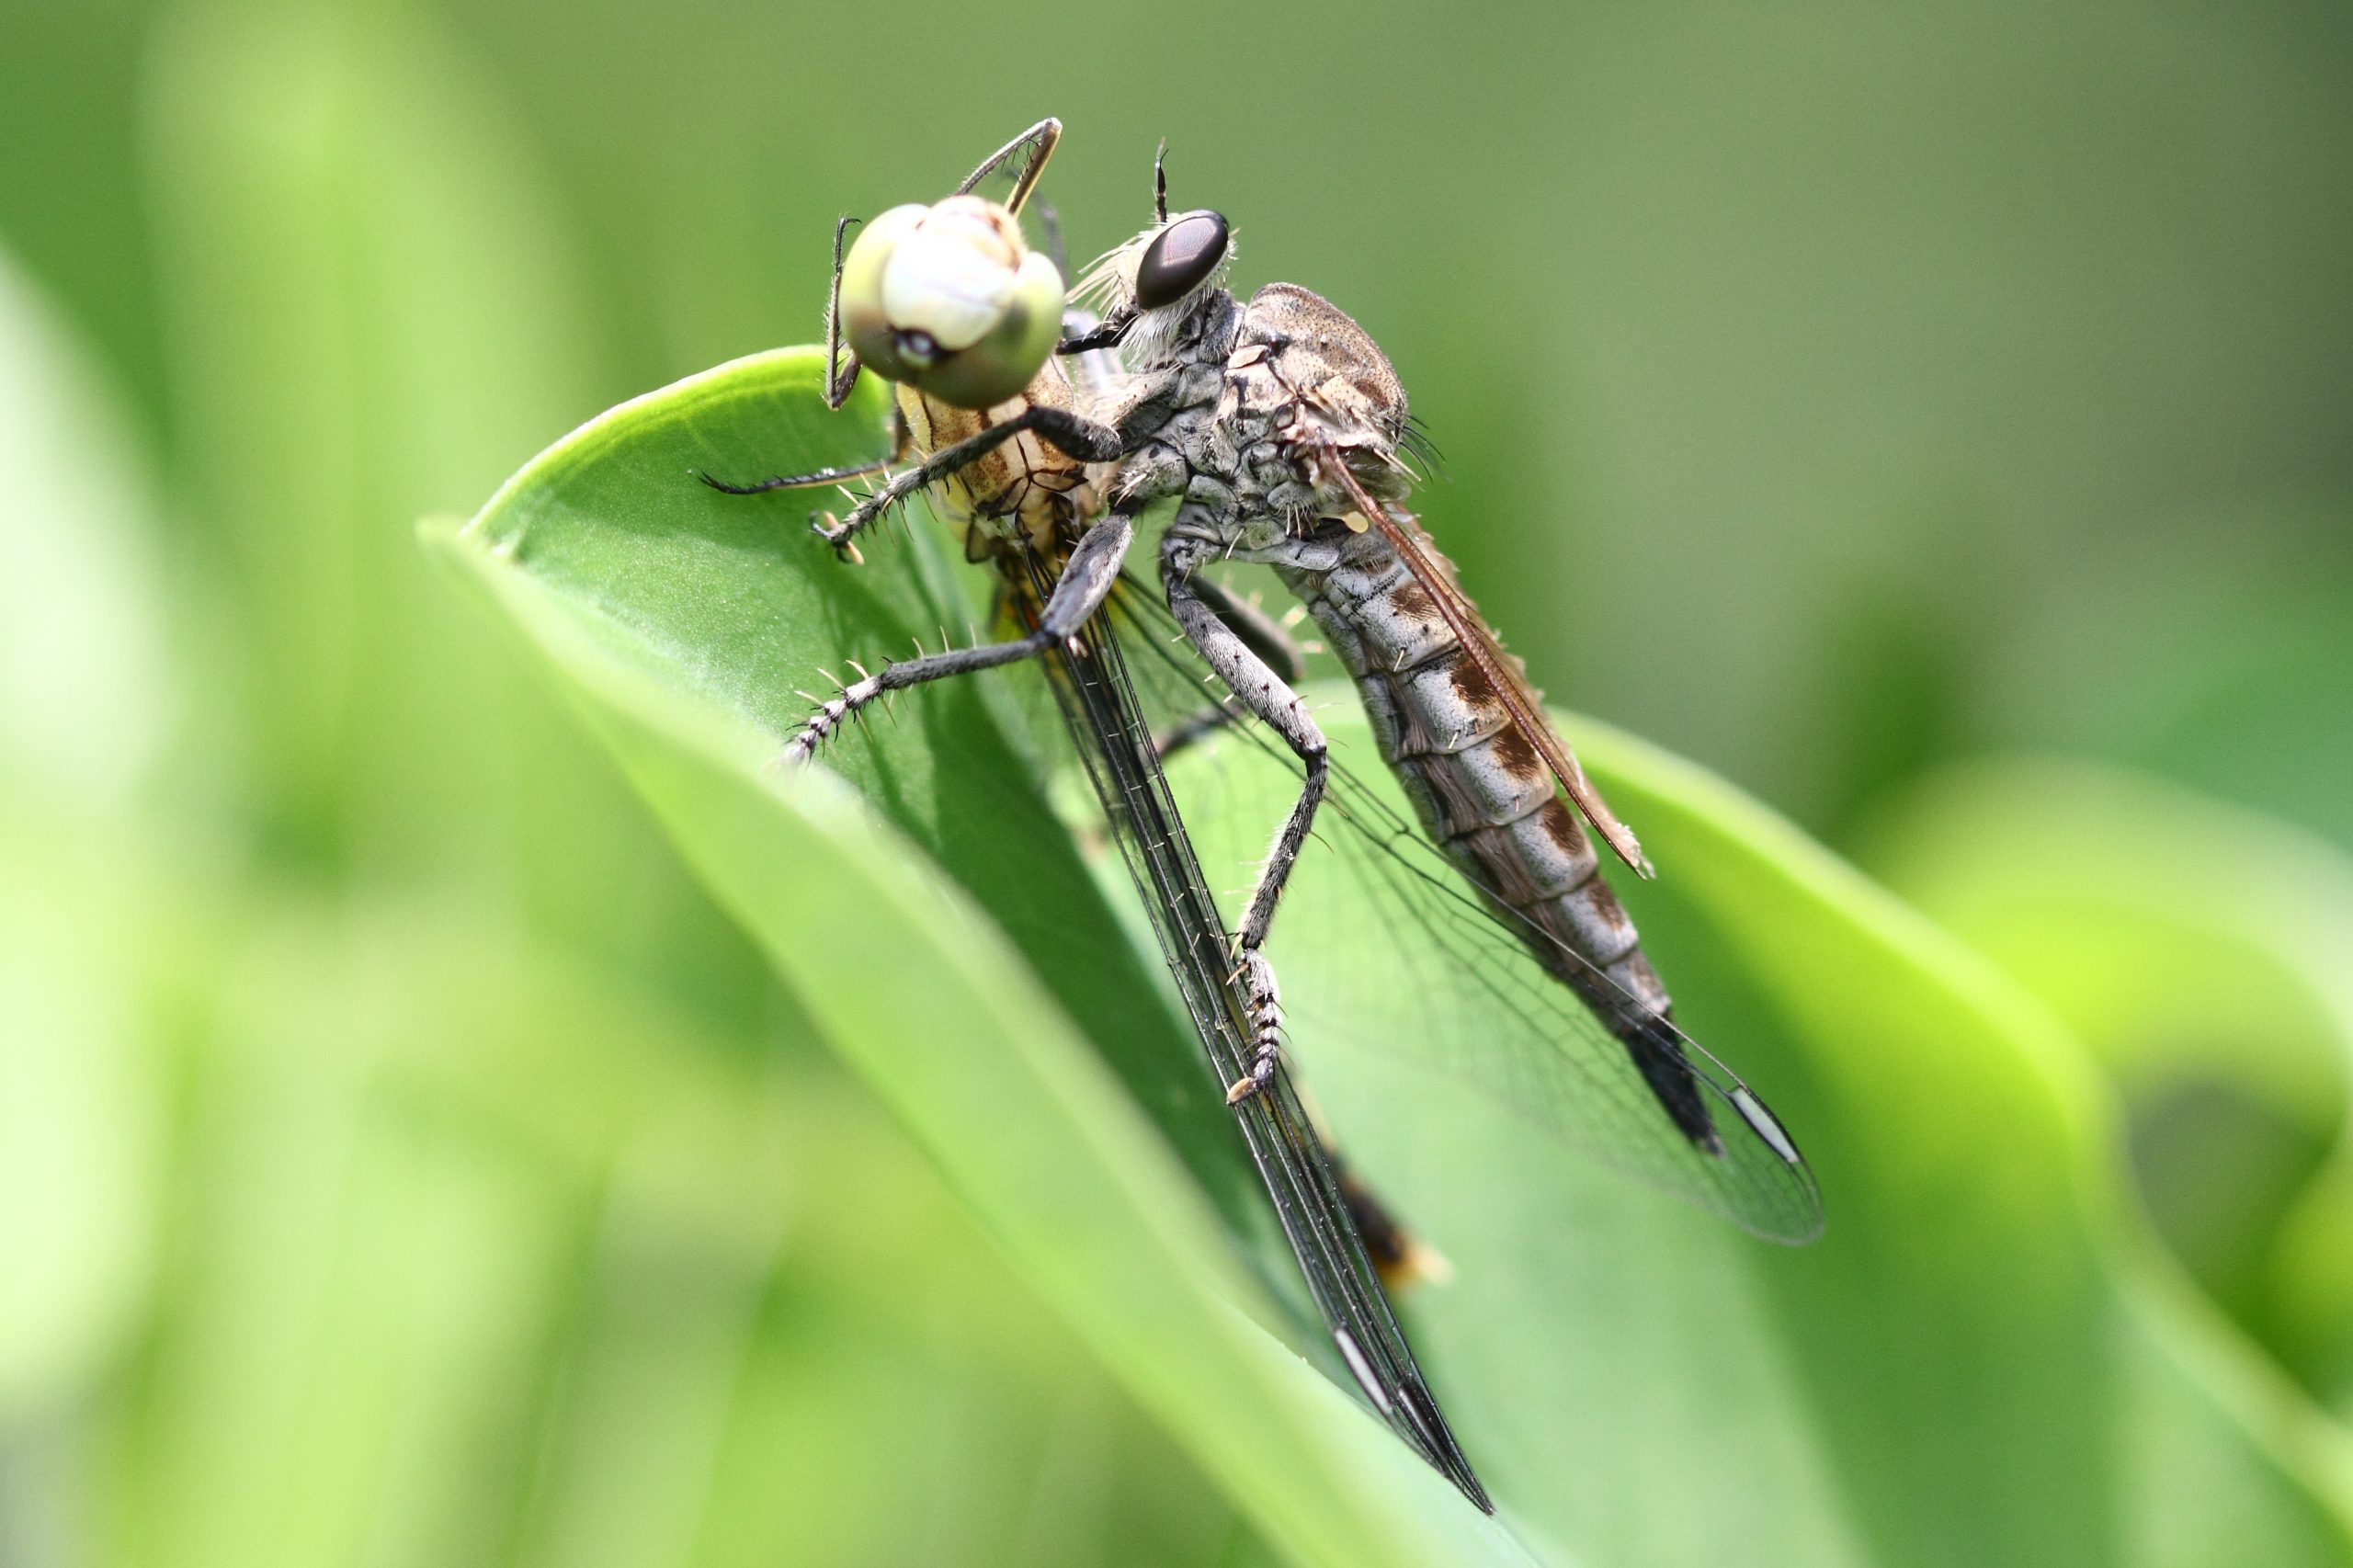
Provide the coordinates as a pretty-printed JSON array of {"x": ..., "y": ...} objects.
[{"x": 1977, "y": 1364}]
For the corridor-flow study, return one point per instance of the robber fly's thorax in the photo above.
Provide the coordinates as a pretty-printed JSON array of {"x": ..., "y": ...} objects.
[{"x": 1270, "y": 398}]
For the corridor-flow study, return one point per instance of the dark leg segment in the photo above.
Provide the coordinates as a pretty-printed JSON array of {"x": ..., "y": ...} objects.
[
  {"x": 801, "y": 481},
  {"x": 1264, "y": 695},
  {"x": 1086, "y": 581},
  {"x": 1056, "y": 252},
  {"x": 841, "y": 376},
  {"x": 1088, "y": 440}
]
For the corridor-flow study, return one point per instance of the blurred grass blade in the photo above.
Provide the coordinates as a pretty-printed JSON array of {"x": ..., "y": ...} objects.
[
  {"x": 86, "y": 694},
  {"x": 370, "y": 306},
  {"x": 2206, "y": 954}
]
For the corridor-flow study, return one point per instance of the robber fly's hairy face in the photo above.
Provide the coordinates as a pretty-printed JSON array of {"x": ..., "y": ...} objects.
[
  {"x": 1159, "y": 279},
  {"x": 949, "y": 300}
]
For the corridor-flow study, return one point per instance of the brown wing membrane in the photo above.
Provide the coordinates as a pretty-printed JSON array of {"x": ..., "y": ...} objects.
[{"x": 1479, "y": 645}]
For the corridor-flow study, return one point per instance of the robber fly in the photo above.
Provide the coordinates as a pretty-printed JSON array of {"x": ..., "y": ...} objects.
[
  {"x": 1281, "y": 431},
  {"x": 949, "y": 302}
]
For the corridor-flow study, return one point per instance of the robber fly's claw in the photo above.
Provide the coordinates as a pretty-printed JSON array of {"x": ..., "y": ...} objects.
[
  {"x": 838, "y": 534},
  {"x": 1264, "y": 1013},
  {"x": 1260, "y": 1074}
]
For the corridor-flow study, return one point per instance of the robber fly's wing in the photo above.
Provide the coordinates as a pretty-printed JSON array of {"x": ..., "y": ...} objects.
[
  {"x": 1504, "y": 675},
  {"x": 1510, "y": 679},
  {"x": 1407, "y": 954}
]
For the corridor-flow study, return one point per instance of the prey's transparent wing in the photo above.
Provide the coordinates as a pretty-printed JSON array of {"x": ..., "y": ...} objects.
[
  {"x": 1106, "y": 723},
  {"x": 1408, "y": 957}
]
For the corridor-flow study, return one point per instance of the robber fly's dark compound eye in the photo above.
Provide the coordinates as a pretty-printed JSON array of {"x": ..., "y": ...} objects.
[{"x": 1179, "y": 259}]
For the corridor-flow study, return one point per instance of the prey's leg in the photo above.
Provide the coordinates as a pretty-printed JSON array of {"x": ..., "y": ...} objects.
[
  {"x": 1056, "y": 252},
  {"x": 1264, "y": 695},
  {"x": 1086, "y": 581},
  {"x": 1265, "y": 637},
  {"x": 823, "y": 475},
  {"x": 1088, "y": 440},
  {"x": 799, "y": 481},
  {"x": 841, "y": 374}
]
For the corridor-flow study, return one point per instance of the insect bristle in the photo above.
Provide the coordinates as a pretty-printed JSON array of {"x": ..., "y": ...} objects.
[{"x": 1422, "y": 453}]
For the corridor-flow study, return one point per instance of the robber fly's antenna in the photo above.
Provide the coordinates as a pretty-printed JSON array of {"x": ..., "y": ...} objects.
[
  {"x": 1160, "y": 182},
  {"x": 1043, "y": 134}
]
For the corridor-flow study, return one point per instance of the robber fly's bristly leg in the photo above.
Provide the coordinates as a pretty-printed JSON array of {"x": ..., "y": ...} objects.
[
  {"x": 1086, "y": 582},
  {"x": 1264, "y": 695},
  {"x": 1111, "y": 332},
  {"x": 1265, "y": 637},
  {"x": 1086, "y": 439},
  {"x": 1265, "y": 634}
]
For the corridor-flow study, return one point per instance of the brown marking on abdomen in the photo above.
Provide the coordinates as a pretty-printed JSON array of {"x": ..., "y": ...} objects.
[
  {"x": 1413, "y": 602},
  {"x": 1472, "y": 685},
  {"x": 1561, "y": 826},
  {"x": 1516, "y": 757}
]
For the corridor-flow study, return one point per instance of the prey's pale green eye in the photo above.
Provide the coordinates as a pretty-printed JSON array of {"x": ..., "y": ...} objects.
[
  {"x": 864, "y": 322},
  {"x": 948, "y": 299},
  {"x": 999, "y": 365}
]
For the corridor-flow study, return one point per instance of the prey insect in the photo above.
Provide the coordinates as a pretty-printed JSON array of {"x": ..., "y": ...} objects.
[{"x": 946, "y": 301}]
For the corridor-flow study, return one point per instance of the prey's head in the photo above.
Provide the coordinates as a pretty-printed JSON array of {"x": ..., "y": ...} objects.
[{"x": 949, "y": 300}]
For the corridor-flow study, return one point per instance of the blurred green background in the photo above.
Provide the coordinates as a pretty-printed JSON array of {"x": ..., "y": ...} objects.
[{"x": 1935, "y": 422}]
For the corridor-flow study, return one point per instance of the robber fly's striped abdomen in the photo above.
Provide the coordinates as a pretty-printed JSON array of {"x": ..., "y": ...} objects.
[{"x": 1481, "y": 789}]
